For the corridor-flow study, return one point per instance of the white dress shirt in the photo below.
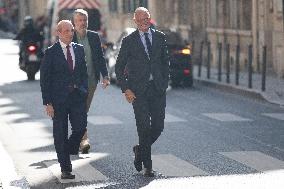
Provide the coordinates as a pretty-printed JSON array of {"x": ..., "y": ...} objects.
[{"x": 64, "y": 49}]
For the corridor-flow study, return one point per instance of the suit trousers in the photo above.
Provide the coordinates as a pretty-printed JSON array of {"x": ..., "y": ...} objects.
[
  {"x": 73, "y": 108},
  {"x": 149, "y": 110}
]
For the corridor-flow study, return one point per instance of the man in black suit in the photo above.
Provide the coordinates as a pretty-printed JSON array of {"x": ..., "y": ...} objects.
[
  {"x": 64, "y": 86},
  {"x": 95, "y": 60},
  {"x": 144, "y": 57}
]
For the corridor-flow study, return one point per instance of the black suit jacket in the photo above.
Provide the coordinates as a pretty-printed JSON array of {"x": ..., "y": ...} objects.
[
  {"x": 55, "y": 77},
  {"x": 132, "y": 56},
  {"x": 99, "y": 62}
]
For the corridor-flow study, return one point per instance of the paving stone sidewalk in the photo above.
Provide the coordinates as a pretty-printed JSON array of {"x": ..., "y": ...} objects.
[{"x": 274, "y": 92}]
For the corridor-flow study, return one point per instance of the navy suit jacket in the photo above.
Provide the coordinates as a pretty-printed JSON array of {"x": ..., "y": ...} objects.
[
  {"x": 132, "y": 55},
  {"x": 56, "y": 78},
  {"x": 99, "y": 63}
]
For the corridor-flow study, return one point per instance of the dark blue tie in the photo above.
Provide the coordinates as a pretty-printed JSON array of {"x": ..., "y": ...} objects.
[{"x": 149, "y": 45}]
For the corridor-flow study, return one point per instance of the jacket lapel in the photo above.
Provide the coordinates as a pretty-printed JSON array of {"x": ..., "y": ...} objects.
[
  {"x": 60, "y": 55},
  {"x": 76, "y": 54},
  {"x": 140, "y": 44},
  {"x": 154, "y": 41}
]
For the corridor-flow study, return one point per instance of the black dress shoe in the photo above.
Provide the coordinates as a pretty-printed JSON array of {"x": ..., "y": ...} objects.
[
  {"x": 67, "y": 175},
  {"x": 137, "y": 161},
  {"x": 149, "y": 172}
]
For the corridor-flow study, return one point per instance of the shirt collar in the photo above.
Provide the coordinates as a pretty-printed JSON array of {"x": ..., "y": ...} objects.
[
  {"x": 142, "y": 33},
  {"x": 63, "y": 45}
]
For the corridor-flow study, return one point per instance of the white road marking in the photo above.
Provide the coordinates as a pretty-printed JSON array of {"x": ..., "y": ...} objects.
[
  {"x": 5, "y": 101},
  {"x": 170, "y": 165},
  {"x": 82, "y": 169},
  {"x": 171, "y": 118},
  {"x": 271, "y": 180},
  {"x": 257, "y": 160},
  {"x": 225, "y": 117},
  {"x": 279, "y": 116},
  {"x": 103, "y": 120}
]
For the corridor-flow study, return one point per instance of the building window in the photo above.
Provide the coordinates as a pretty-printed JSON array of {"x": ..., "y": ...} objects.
[
  {"x": 183, "y": 11},
  {"x": 112, "y": 5},
  {"x": 130, "y": 5},
  {"x": 212, "y": 13},
  {"x": 247, "y": 14}
]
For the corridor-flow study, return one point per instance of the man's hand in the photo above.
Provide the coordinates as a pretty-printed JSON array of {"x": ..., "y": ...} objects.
[
  {"x": 105, "y": 83},
  {"x": 130, "y": 96},
  {"x": 49, "y": 110}
]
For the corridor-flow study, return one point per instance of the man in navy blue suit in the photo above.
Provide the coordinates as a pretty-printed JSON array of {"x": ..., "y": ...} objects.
[{"x": 64, "y": 86}]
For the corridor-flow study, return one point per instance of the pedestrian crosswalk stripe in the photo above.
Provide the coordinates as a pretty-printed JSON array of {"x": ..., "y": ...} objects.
[
  {"x": 279, "y": 116},
  {"x": 256, "y": 160},
  {"x": 83, "y": 170},
  {"x": 225, "y": 117},
  {"x": 103, "y": 120},
  {"x": 5, "y": 101},
  {"x": 170, "y": 165},
  {"x": 171, "y": 118}
]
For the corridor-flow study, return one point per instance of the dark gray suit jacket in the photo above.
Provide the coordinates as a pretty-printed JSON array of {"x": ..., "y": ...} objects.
[
  {"x": 134, "y": 59},
  {"x": 99, "y": 62}
]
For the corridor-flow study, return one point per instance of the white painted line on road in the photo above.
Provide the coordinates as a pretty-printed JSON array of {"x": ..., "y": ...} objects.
[
  {"x": 225, "y": 117},
  {"x": 170, "y": 165},
  {"x": 7, "y": 109},
  {"x": 103, "y": 120},
  {"x": 83, "y": 170},
  {"x": 257, "y": 160},
  {"x": 279, "y": 116},
  {"x": 271, "y": 180},
  {"x": 32, "y": 130},
  {"x": 171, "y": 118},
  {"x": 5, "y": 101},
  {"x": 12, "y": 118}
]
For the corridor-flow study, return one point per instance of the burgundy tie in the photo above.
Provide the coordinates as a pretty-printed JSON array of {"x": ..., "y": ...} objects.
[{"x": 69, "y": 59}]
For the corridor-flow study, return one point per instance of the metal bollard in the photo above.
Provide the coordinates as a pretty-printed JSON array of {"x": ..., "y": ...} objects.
[
  {"x": 263, "y": 80},
  {"x": 237, "y": 64},
  {"x": 219, "y": 61},
  {"x": 200, "y": 59},
  {"x": 250, "y": 67},
  {"x": 228, "y": 63},
  {"x": 208, "y": 60}
]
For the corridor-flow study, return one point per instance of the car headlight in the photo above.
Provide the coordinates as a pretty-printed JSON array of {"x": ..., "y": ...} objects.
[{"x": 185, "y": 51}]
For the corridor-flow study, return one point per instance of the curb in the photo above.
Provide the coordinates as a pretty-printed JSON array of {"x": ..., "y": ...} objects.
[{"x": 234, "y": 89}]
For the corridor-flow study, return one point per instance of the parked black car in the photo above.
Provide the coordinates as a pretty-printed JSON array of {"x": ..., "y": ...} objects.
[{"x": 180, "y": 58}]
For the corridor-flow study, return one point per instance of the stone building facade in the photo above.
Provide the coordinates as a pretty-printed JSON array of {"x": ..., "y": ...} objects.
[{"x": 236, "y": 22}]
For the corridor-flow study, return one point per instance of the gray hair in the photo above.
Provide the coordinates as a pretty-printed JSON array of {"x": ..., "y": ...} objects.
[
  {"x": 141, "y": 9},
  {"x": 80, "y": 12}
]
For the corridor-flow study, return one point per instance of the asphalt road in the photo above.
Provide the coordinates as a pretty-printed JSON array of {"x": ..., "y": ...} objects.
[{"x": 210, "y": 135}]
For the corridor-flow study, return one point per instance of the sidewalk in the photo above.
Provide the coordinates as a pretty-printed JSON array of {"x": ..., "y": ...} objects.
[
  {"x": 6, "y": 35},
  {"x": 274, "y": 92}
]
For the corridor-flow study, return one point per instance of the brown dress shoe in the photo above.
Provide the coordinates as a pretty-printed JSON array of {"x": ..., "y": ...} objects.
[
  {"x": 85, "y": 145},
  {"x": 137, "y": 161},
  {"x": 67, "y": 175},
  {"x": 149, "y": 172}
]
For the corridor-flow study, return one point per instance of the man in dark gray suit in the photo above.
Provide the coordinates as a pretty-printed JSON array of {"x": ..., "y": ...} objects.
[
  {"x": 96, "y": 64},
  {"x": 142, "y": 70}
]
